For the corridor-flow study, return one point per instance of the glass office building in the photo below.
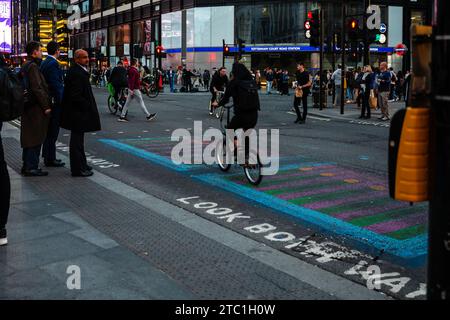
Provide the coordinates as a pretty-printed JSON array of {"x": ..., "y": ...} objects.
[
  {"x": 273, "y": 32},
  {"x": 192, "y": 31}
]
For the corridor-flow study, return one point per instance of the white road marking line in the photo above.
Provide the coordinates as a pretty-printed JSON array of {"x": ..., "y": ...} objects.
[{"x": 312, "y": 117}]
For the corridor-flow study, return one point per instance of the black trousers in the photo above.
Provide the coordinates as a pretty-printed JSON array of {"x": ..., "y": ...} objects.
[
  {"x": 304, "y": 101},
  {"x": 78, "y": 161},
  {"x": 30, "y": 157},
  {"x": 5, "y": 186},
  {"x": 365, "y": 110},
  {"x": 49, "y": 146}
]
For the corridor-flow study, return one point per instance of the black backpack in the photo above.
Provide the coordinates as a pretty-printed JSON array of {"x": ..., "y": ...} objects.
[
  {"x": 11, "y": 96},
  {"x": 248, "y": 96},
  {"x": 28, "y": 97}
]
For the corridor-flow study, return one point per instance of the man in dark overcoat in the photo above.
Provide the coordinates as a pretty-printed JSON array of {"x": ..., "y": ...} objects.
[
  {"x": 79, "y": 112},
  {"x": 36, "y": 116}
]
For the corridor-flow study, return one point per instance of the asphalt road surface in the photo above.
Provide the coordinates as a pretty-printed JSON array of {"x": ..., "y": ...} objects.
[{"x": 328, "y": 205}]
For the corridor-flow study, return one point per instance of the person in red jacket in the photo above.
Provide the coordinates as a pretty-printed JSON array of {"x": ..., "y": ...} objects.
[{"x": 134, "y": 90}]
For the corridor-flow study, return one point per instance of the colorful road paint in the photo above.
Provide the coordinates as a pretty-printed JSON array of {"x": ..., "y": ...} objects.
[{"x": 339, "y": 200}]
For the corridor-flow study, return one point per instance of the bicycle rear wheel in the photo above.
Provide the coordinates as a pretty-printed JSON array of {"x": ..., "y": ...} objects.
[
  {"x": 153, "y": 91},
  {"x": 253, "y": 172}
]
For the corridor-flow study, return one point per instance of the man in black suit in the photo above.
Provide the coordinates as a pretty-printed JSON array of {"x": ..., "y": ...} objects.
[
  {"x": 53, "y": 74},
  {"x": 79, "y": 113}
]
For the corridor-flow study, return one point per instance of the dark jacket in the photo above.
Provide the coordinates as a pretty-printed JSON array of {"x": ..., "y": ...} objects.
[
  {"x": 54, "y": 76},
  {"x": 118, "y": 77},
  {"x": 34, "y": 122},
  {"x": 385, "y": 81},
  {"x": 79, "y": 109},
  {"x": 218, "y": 82}
]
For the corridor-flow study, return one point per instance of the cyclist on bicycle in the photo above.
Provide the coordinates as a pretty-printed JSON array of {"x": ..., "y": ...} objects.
[
  {"x": 245, "y": 98},
  {"x": 119, "y": 79},
  {"x": 218, "y": 83},
  {"x": 244, "y": 90}
]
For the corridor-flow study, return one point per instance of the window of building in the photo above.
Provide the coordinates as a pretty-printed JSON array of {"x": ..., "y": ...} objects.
[
  {"x": 107, "y": 4},
  {"x": 85, "y": 7},
  {"x": 96, "y": 5}
]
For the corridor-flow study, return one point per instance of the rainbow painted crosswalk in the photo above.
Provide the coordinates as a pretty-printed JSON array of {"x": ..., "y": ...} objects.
[{"x": 339, "y": 200}]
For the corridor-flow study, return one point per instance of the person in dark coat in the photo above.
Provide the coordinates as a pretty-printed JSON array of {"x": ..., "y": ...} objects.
[
  {"x": 36, "y": 116},
  {"x": 118, "y": 79},
  {"x": 79, "y": 113},
  {"x": 53, "y": 74},
  {"x": 5, "y": 183}
]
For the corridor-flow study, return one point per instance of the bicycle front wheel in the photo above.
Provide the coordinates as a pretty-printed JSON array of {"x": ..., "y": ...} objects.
[
  {"x": 112, "y": 105},
  {"x": 221, "y": 157},
  {"x": 218, "y": 112}
]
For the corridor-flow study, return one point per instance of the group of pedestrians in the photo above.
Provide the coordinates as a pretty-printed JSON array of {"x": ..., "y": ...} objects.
[
  {"x": 373, "y": 88},
  {"x": 277, "y": 79},
  {"x": 50, "y": 102}
]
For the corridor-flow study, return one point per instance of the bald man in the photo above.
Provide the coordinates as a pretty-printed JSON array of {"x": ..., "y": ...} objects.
[{"x": 79, "y": 112}]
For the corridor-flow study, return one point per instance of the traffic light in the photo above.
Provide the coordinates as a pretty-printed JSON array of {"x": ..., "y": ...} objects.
[
  {"x": 226, "y": 50},
  {"x": 241, "y": 46},
  {"x": 160, "y": 52},
  {"x": 312, "y": 28},
  {"x": 376, "y": 37},
  {"x": 354, "y": 32}
]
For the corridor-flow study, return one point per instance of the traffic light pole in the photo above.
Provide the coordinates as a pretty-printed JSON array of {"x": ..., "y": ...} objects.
[
  {"x": 223, "y": 53},
  {"x": 438, "y": 286},
  {"x": 344, "y": 12},
  {"x": 321, "y": 96}
]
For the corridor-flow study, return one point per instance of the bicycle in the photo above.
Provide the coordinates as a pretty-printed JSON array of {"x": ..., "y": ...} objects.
[
  {"x": 149, "y": 87},
  {"x": 253, "y": 172},
  {"x": 114, "y": 105},
  {"x": 217, "y": 111}
]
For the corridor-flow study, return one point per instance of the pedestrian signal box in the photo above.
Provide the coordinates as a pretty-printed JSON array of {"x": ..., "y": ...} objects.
[{"x": 409, "y": 140}]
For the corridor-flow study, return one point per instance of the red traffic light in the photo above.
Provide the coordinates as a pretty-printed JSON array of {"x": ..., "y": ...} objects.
[
  {"x": 226, "y": 49},
  {"x": 310, "y": 15}
]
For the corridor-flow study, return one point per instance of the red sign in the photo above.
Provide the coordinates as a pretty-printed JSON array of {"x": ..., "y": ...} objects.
[{"x": 401, "y": 49}]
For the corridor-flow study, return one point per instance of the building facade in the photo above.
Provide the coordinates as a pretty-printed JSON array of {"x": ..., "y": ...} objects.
[
  {"x": 116, "y": 29},
  {"x": 273, "y": 31},
  {"x": 43, "y": 21},
  {"x": 192, "y": 31}
]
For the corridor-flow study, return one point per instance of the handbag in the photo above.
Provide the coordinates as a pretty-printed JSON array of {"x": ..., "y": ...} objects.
[
  {"x": 373, "y": 101},
  {"x": 298, "y": 92}
]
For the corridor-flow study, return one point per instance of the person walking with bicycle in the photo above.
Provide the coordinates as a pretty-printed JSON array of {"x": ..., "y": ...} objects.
[
  {"x": 119, "y": 80},
  {"x": 134, "y": 86},
  {"x": 218, "y": 83}
]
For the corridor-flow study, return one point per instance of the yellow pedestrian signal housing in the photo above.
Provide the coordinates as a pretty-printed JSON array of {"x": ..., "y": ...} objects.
[
  {"x": 409, "y": 140},
  {"x": 408, "y": 155}
]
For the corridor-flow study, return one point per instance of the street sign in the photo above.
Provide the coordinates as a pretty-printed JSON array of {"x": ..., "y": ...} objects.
[
  {"x": 383, "y": 28},
  {"x": 400, "y": 49}
]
